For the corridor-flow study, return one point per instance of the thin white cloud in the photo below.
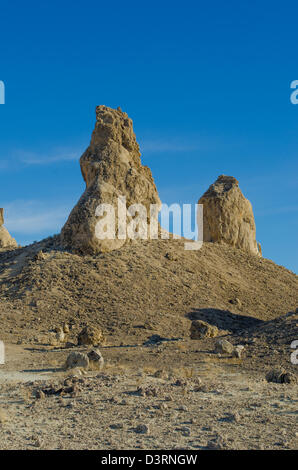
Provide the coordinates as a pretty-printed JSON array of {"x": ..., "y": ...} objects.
[
  {"x": 276, "y": 210},
  {"x": 33, "y": 217},
  {"x": 171, "y": 146},
  {"x": 23, "y": 158},
  {"x": 55, "y": 156}
]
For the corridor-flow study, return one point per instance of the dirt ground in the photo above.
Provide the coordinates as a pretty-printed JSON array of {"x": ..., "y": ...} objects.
[{"x": 154, "y": 392}]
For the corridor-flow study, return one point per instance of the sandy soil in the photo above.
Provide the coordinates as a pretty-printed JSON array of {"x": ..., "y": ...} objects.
[{"x": 183, "y": 394}]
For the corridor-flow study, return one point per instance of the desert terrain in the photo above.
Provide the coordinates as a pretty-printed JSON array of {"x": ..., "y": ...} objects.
[{"x": 158, "y": 389}]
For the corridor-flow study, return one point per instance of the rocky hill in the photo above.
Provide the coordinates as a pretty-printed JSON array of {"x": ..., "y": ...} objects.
[{"x": 140, "y": 289}]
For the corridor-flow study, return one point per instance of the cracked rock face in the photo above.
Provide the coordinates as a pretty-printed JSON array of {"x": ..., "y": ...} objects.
[
  {"x": 6, "y": 240},
  {"x": 111, "y": 167},
  {"x": 228, "y": 216}
]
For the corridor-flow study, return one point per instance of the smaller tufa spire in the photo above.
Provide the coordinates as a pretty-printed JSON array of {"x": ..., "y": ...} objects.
[{"x": 228, "y": 216}]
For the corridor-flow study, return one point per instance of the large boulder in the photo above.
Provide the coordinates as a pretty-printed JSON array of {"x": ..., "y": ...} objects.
[
  {"x": 77, "y": 359},
  {"x": 111, "y": 167},
  {"x": 200, "y": 329},
  {"x": 223, "y": 346},
  {"x": 90, "y": 335},
  {"x": 228, "y": 216},
  {"x": 6, "y": 240}
]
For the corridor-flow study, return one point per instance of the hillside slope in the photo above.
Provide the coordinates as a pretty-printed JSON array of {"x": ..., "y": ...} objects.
[{"x": 145, "y": 288}]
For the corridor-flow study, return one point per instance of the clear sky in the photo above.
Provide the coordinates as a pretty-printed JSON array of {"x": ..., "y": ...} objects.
[{"x": 206, "y": 83}]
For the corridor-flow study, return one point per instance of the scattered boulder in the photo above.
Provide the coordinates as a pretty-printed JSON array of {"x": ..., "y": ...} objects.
[
  {"x": 90, "y": 336},
  {"x": 77, "y": 359},
  {"x": 222, "y": 346},
  {"x": 142, "y": 429},
  {"x": 65, "y": 328},
  {"x": 236, "y": 302},
  {"x": 95, "y": 357},
  {"x": 171, "y": 256},
  {"x": 111, "y": 168},
  {"x": 60, "y": 336},
  {"x": 280, "y": 376},
  {"x": 40, "y": 256},
  {"x": 238, "y": 351},
  {"x": 200, "y": 329},
  {"x": 228, "y": 216},
  {"x": 6, "y": 240},
  {"x": 40, "y": 394}
]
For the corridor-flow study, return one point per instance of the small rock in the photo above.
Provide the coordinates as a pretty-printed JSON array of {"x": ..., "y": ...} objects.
[
  {"x": 161, "y": 374},
  {"x": 171, "y": 256},
  {"x": 236, "y": 302},
  {"x": 142, "y": 429},
  {"x": 223, "y": 346},
  {"x": 90, "y": 336},
  {"x": 163, "y": 406},
  {"x": 185, "y": 431},
  {"x": 38, "y": 442},
  {"x": 40, "y": 394},
  {"x": 65, "y": 328},
  {"x": 238, "y": 351},
  {"x": 60, "y": 336},
  {"x": 116, "y": 426},
  {"x": 182, "y": 408},
  {"x": 77, "y": 359},
  {"x": 39, "y": 256},
  {"x": 234, "y": 417},
  {"x": 96, "y": 358},
  {"x": 169, "y": 398},
  {"x": 218, "y": 443}
]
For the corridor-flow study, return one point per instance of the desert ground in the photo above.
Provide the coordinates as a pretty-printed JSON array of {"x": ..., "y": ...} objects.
[{"x": 158, "y": 389}]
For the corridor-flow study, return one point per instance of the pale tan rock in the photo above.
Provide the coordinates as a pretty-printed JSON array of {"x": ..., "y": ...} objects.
[
  {"x": 65, "y": 328},
  {"x": 6, "y": 240},
  {"x": 228, "y": 216},
  {"x": 111, "y": 167},
  {"x": 77, "y": 359},
  {"x": 200, "y": 329},
  {"x": 90, "y": 335},
  {"x": 60, "y": 335},
  {"x": 238, "y": 351},
  {"x": 223, "y": 346},
  {"x": 96, "y": 358}
]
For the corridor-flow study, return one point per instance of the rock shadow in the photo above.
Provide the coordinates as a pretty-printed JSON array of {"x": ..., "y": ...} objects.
[{"x": 224, "y": 319}]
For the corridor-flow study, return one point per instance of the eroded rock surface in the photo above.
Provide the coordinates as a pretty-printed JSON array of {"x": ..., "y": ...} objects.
[{"x": 111, "y": 168}]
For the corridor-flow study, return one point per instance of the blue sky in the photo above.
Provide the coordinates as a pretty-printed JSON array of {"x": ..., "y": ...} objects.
[{"x": 206, "y": 83}]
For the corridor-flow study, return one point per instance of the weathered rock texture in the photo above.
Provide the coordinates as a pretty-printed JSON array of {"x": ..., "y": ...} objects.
[
  {"x": 6, "y": 240},
  {"x": 90, "y": 336},
  {"x": 228, "y": 216},
  {"x": 111, "y": 167},
  {"x": 200, "y": 329}
]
